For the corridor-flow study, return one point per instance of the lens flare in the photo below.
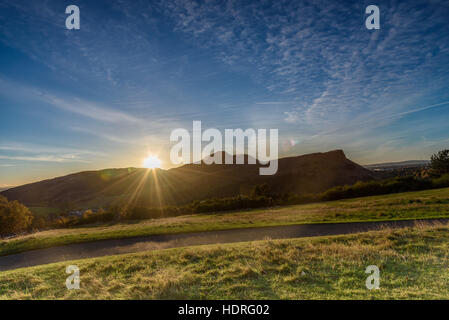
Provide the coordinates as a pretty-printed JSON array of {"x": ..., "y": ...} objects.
[{"x": 152, "y": 162}]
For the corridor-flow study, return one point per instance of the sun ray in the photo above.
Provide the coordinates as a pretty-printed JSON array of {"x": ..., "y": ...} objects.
[
  {"x": 157, "y": 190},
  {"x": 138, "y": 190}
]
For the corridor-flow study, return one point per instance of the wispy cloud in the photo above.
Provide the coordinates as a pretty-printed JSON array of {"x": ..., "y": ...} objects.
[
  {"x": 320, "y": 54},
  {"x": 46, "y": 158},
  {"x": 24, "y": 147},
  {"x": 88, "y": 109},
  {"x": 39, "y": 153},
  {"x": 75, "y": 105},
  {"x": 273, "y": 102},
  {"x": 105, "y": 136}
]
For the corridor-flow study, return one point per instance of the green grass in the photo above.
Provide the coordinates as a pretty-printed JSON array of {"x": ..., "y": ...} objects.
[
  {"x": 410, "y": 205},
  {"x": 413, "y": 263}
]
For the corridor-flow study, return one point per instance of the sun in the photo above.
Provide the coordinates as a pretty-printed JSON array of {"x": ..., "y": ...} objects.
[{"x": 152, "y": 162}]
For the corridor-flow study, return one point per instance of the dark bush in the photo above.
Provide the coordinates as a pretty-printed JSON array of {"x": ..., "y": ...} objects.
[
  {"x": 14, "y": 217},
  {"x": 441, "y": 182},
  {"x": 439, "y": 163}
]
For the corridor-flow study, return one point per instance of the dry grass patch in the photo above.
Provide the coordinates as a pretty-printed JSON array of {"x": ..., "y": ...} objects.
[{"x": 414, "y": 264}]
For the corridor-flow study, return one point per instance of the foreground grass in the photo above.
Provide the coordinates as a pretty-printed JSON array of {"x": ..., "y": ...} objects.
[
  {"x": 413, "y": 262},
  {"x": 410, "y": 205}
]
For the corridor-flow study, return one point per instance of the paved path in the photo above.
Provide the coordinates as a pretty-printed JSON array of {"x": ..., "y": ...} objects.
[{"x": 155, "y": 242}]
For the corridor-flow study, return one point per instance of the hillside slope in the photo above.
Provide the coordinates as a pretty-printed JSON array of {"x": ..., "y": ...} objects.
[{"x": 302, "y": 174}]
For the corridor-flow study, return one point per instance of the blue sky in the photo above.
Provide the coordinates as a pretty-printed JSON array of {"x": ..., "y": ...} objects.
[{"x": 110, "y": 93}]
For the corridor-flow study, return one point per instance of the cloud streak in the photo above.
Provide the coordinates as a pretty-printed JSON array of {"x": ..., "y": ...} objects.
[
  {"x": 45, "y": 158},
  {"x": 88, "y": 109}
]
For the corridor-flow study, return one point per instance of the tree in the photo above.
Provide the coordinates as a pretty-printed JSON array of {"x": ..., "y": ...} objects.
[
  {"x": 88, "y": 213},
  {"x": 262, "y": 190},
  {"x": 14, "y": 217},
  {"x": 119, "y": 211},
  {"x": 439, "y": 162}
]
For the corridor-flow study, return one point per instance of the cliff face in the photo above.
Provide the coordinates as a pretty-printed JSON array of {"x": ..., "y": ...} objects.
[{"x": 310, "y": 173}]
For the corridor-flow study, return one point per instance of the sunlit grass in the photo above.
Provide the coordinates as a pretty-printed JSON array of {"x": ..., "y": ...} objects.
[
  {"x": 413, "y": 262},
  {"x": 410, "y": 205}
]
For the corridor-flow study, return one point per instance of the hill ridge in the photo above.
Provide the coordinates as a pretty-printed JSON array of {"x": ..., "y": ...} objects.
[{"x": 302, "y": 174}]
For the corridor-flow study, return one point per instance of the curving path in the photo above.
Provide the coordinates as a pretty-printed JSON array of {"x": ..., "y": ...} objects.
[{"x": 156, "y": 242}]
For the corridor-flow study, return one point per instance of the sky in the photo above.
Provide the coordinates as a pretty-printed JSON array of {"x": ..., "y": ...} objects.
[{"x": 110, "y": 93}]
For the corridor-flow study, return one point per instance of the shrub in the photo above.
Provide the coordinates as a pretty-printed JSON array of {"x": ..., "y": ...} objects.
[
  {"x": 441, "y": 182},
  {"x": 87, "y": 214},
  {"x": 14, "y": 217},
  {"x": 439, "y": 162},
  {"x": 39, "y": 223},
  {"x": 262, "y": 190}
]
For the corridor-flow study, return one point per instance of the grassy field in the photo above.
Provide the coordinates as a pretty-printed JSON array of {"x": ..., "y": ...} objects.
[
  {"x": 413, "y": 263},
  {"x": 410, "y": 205}
]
